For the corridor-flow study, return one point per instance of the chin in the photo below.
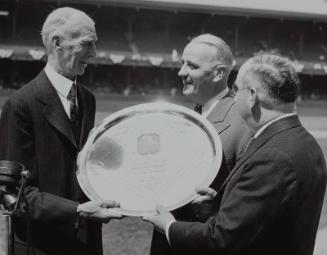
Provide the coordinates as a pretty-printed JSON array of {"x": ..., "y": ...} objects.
[{"x": 188, "y": 90}]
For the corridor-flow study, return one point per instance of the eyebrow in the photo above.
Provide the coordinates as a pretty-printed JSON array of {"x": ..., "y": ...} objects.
[
  {"x": 89, "y": 39},
  {"x": 190, "y": 62}
]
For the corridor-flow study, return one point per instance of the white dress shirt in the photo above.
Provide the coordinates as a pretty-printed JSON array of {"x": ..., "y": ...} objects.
[{"x": 62, "y": 85}]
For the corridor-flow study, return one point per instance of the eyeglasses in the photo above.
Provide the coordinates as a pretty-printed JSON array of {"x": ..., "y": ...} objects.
[
  {"x": 235, "y": 88},
  {"x": 220, "y": 65}
]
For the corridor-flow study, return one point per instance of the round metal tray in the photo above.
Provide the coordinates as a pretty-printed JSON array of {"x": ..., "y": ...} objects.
[{"x": 148, "y": 154}]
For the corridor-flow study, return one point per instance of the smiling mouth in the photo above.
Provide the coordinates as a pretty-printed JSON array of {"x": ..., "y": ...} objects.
[
  {"x": 188, "y": 86},
  {"x": 187, "y": 83}
]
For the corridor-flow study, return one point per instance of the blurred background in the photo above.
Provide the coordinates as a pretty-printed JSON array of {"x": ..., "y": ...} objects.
[{"x": 139, "y": 46}]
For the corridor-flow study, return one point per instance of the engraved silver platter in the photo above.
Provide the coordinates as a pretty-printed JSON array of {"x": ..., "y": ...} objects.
[{"x": 149, "y": 154}]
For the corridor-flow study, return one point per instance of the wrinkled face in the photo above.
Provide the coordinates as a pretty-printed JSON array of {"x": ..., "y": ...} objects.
[
  {"x": 199, "y": 62},
  {"x": 77, "y": 48}
]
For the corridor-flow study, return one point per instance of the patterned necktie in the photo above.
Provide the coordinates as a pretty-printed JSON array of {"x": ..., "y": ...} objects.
[
  {"x": 72, "y": 97},
  {"x": 198, "y": 108}
]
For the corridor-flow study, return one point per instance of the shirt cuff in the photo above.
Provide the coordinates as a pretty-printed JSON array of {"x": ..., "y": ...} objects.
[{"x": 167, "y": 230}]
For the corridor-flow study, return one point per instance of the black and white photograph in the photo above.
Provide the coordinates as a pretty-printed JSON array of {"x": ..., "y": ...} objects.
[{"x": 163, "y": 127}]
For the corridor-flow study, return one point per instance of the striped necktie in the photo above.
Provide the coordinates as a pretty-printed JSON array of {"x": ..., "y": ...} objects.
[{"x": 72, "y": 97}]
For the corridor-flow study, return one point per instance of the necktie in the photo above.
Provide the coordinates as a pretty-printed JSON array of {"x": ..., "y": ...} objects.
[
  {"x": 72, "y": 97},
  {"x": 198, "y": 108}
]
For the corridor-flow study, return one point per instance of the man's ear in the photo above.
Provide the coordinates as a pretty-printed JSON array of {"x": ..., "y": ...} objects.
[
  {"x": 254, "y": 96},
  {"x": 56, "y": 43},
  {"x": 219, "y": 73}
]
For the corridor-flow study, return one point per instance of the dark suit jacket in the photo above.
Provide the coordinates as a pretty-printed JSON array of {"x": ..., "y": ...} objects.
[
  {"x": 36, "y": 131},
  {"x": 234, "y": 135},
  {"x": 271, "y": 202},
  {"x": 233, "y": 132}
]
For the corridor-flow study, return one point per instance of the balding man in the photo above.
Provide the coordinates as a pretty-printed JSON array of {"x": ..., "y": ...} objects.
[
  {"x": 273, "y": 197},
  {"x": 206, "y": 64},
  {"x": 43, "y": 126}
]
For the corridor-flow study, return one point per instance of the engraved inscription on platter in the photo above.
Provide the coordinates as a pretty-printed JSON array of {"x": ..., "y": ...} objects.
[{"x": 149, "y": 154}]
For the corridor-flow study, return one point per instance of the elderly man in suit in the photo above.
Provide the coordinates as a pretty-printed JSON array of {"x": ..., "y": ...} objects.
[
  {"x": 43, "y": 126},
  {"x": 206, "y": 64},
  {"x": 271, "y": 201}
]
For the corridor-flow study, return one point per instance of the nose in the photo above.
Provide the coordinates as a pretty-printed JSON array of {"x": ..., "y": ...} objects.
[{"x": 182, "y": 71}]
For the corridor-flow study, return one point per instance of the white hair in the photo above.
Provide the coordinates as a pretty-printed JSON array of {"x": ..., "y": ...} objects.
[{"x": 59, "y": 20}]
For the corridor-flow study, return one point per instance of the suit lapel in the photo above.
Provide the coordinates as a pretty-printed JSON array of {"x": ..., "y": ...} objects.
[
  {"x": 218, "y": 115},
  {"x": 53, "y": 109},
  {"x": 272, "y": 130}
]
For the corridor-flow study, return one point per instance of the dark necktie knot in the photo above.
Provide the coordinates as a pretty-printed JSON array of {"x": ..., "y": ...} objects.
[
  {"x": 72, "y": 92},
  {"x": 198, "y": 108}
]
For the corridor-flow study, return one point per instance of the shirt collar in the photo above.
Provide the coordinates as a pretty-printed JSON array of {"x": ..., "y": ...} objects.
[
  {"x": 59, "y": 82},
  {"x": 271, "y": 122},
  {"x": 214, "y": 101}
]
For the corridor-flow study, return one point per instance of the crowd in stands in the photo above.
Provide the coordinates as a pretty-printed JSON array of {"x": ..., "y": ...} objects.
[
  {"x": 114, "y": 88},
  {"x": 143, "y": 32},
  {"x": 313, "y": 87}
]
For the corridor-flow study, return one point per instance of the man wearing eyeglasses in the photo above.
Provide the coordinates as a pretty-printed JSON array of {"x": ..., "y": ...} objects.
[
  {"x": 272, "y": 199},
  {"x": 206, "y": 64}
]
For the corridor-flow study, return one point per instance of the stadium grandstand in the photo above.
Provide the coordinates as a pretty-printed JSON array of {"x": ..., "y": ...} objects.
[{"x": 140, "y": 41}]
